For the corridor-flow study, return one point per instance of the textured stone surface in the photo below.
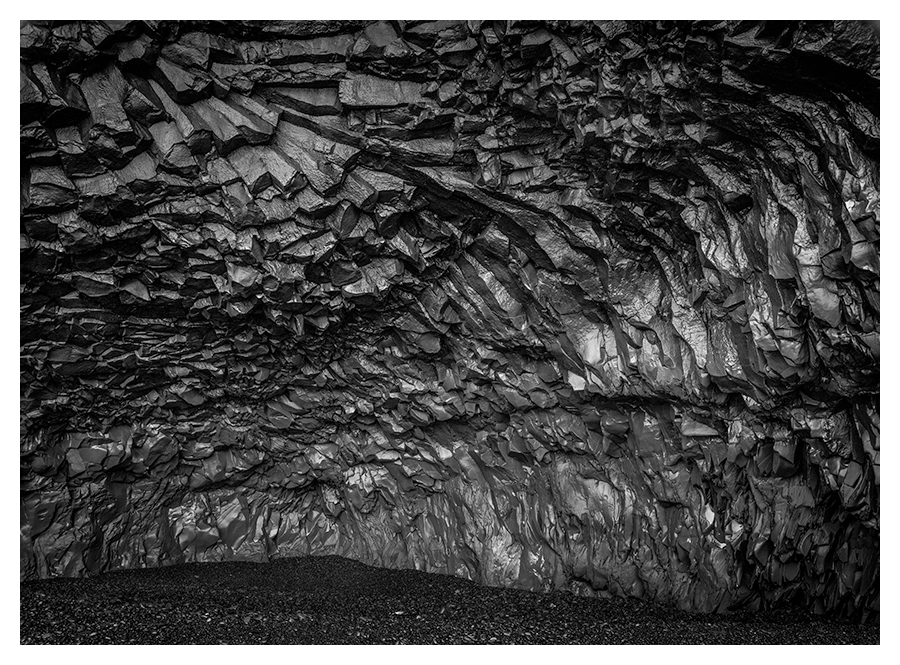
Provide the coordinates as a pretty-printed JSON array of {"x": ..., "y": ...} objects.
[{"x": 585, "y": 306}]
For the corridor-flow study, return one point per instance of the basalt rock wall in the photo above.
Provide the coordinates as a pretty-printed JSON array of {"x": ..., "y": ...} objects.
[{"x": 580, "y": 305}]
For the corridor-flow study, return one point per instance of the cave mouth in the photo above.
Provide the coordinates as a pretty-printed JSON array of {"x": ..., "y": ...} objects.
[{"x": 556, "y": 305}]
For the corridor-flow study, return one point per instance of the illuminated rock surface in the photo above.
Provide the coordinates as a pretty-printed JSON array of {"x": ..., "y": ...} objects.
[{"x": 580, "y": 306}]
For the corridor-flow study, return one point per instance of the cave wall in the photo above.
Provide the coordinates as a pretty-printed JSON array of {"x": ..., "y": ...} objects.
[{"x": 579, "y": 305}]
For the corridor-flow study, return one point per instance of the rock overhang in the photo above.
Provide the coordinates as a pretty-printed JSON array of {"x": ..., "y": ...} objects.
[{"x": 585, "y": 305}]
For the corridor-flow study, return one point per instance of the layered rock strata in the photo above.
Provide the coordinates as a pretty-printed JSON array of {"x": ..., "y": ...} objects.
[{"x": 581, "y": 305}]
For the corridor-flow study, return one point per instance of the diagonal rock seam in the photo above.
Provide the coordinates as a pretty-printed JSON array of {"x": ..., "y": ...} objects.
[{"x": 553, "y": 305}]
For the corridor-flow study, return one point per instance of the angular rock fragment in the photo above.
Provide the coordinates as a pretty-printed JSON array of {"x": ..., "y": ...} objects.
[
  {"x": 360, "y": 90},
  {"x": 315, "y": 101}
]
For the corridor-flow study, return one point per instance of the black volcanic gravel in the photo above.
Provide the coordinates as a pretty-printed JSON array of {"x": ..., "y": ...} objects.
[{"x": 332, "y": 600}]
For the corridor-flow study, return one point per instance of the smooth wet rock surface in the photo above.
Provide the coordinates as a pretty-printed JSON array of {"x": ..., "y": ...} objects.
[{"x": 331, "y": 600}]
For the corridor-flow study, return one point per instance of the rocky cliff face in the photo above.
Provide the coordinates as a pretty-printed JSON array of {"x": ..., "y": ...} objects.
[{"x": 550, "y": 305}]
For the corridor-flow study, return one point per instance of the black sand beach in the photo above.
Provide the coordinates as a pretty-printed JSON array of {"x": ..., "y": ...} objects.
[{"x": 331, "y": 600}]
